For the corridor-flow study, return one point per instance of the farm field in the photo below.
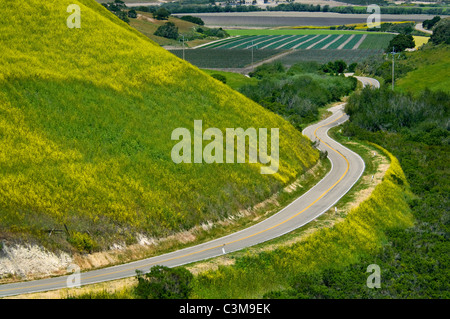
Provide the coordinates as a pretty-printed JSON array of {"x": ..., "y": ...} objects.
[
  {"x": 324, "y": 56},
  {"x": 236, "y": 52},
  {"x": 315, "y": 40},
  {"x": 224, "y": 58}
]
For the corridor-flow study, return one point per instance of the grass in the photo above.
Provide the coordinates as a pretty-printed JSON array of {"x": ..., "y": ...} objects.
[
  {"x": 360, "y": 234},
  {"x": 86, "y": 117},
  {"x": 234, "y": 80},
  {"x": 431, "y": 67}
]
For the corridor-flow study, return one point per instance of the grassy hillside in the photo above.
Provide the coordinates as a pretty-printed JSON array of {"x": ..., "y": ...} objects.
[
  {"x": 431, "y": 65},
  {"x": 86, "y": 117},
  {"x": 360, "y": 234}
]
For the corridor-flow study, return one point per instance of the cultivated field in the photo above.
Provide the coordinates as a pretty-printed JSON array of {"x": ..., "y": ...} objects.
[{"x": 241, "y": 51}]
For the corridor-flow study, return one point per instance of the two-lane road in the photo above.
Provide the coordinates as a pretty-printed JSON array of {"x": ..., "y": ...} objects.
[{"x": 347, "y": 168}]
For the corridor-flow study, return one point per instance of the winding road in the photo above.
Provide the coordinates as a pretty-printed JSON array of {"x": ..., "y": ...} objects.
[{"x": 347, "y": 168}]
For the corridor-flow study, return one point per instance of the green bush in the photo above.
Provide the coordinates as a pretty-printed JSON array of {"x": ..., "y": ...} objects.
[
  {"x": 164, "y": 283},
  {"x": 192, "y": 19},
  {"x": 168, "y": 30},
  {"x": 441, "y": 32},
  {"x": 161, "y": 14},
  {"x": 82, "y": 242},
  {"x": 401, "y": 42},
  {"x": 219, "y": 77}
]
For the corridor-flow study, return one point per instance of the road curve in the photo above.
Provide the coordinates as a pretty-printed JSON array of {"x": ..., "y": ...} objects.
[{"x": 347, "y": 168}]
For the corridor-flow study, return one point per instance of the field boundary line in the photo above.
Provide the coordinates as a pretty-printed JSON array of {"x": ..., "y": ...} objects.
[
  {"x": 346, "y": 41},
  {"x": 284, "y": 44},
  {"x": 299, "y": 44},
  {"x": 330, "y": 43},
  {"x": 356, "y": 46},
  {"x": 316, "y": 43},
  {"x": 268, "y": 45},
  {"x": 214, "y": 42}
]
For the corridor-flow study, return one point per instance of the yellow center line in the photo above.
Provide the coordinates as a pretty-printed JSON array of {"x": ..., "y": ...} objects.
[{"x": 228, "y": 243}]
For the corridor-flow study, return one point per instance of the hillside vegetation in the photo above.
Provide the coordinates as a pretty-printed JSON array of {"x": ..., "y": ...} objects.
[{"x": 86, "y": 117}]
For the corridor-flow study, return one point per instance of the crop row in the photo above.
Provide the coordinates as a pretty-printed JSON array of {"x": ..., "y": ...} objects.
[{"x": 309, "y": 41}]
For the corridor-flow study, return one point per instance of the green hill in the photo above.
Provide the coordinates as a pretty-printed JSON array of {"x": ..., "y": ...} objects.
[
  {"x": 86, "y": 116},
  {"x": 430, "y": 67}
]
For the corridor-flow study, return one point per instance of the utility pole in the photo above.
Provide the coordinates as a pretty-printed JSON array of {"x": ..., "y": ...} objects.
[
  {"x": 183, "y": 46},
  {"x": 393, "y": 66}
]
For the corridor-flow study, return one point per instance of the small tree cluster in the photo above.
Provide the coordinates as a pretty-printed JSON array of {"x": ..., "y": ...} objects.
[
  {"x": 441, "y": 32},
  {"x": 164, "y": 283},
  {"x": 168, "y": 30},
  {"x": 161, "y": 14},
  {"x": 401, "y": 42},
  {"x": 336, "y": 67},
  {"x": 429, "y": 24}
]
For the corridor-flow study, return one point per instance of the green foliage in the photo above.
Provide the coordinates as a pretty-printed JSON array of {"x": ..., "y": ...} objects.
[
  {"x": 118, "y": 8},
  {"x": 414, "y": 263},
  {"x": 402, "y": 28},
  {"x": 441, "y": 32},
  {"x": 401, "y": 42},
  {"x": 429, "y": 24},
  {"x": 161, "y": 14},
  {"x": 220, "y": 77},
  {"x": 192, "y": 19},
  {"x": 294, "y": 94},
  {"x": 384, "y": 109},
  {"x": 267, "y": 70},
  {"x": 82, "y": 242},
  {"x": 352, "y": 241},
  {"x": 164, "y": 283},
  {"x": 167, "y": 30},
  {"x": 215, "y": 32},
  {"x": 132, "y": 14},
  {"x": 336, "y": 67}
]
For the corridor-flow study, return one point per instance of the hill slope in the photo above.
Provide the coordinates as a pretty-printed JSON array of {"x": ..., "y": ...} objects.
[
  {"x": 86, "y": 117},
  {"x": 430, "y": 70}
]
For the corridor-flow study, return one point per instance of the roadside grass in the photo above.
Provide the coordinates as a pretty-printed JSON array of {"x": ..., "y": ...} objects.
[
  {"x": 360, "y": 232},
  {"x": 430, "y": 70}
]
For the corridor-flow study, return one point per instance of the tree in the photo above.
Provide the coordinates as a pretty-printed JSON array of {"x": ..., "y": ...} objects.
[
  {"x": 352, "y": 67},
  {"x": 340, "y": 66},
  {"x": 429, "y": 24},
  {"x": 132, "y": 14},
  {"x": 168, "y": 30},
  {"x": 192, "y": 19},
  {"x": 401, "y": 42},
  {"x": 164, "y": 283},
  {"x": 161, "y": 14},
  {"x": 441, "y": 32}
]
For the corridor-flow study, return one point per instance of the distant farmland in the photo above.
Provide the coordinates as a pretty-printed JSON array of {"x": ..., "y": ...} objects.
[{"x": 238, "y": 52}]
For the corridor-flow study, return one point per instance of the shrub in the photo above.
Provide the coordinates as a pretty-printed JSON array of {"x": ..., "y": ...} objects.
[
  {"x": 168, "y": 30},
  {"x": 82, "y": 241},
  {"x": 164, "y": 283},
  {"x": 441, "y": 32},
  {"x": 219, "y": 77},
  {"x": 192, "y": 19},
  {"x": 161, "y": 14},
  {"x": 401, "y": 42}
]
